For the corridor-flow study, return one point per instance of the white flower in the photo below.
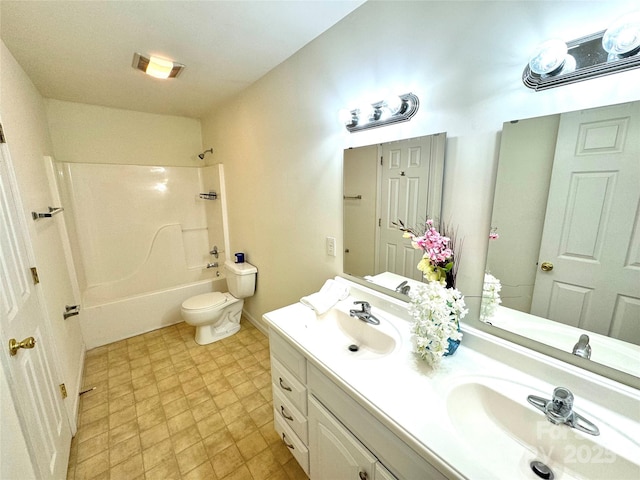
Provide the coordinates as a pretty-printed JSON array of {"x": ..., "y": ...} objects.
[
  {"x": 436, "y": 311},
  {"x": 490, "y": 297}
]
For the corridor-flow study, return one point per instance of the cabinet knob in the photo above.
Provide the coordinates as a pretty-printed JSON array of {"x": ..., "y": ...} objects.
[{"x": 363, "y": 475}]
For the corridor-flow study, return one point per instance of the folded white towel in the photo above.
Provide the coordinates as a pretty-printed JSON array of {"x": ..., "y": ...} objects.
[{"x": 330, "y": 294}]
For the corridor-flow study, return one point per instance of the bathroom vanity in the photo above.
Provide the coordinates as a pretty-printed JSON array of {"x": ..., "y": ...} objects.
[{"x": 351, "y": 400}]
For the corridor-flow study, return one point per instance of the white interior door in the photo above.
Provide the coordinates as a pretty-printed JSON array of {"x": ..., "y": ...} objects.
[
  {"x": 411, "y": 189},
  {"x": 30, "y": 373},
  {"x": 591, "y": 233}
]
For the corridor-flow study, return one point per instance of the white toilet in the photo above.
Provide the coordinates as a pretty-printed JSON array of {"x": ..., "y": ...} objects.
[{"x": 216, "y": 315}]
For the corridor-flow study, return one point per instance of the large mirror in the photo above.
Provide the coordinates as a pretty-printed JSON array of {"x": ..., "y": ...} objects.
[
  {"x": 566, "y": 212},
  {"x": 400, "y": 180}
]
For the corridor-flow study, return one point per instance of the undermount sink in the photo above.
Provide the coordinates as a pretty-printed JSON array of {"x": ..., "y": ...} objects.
[
  {"x": 495, "y": 421},
  {"x": 359, "y": 339}
]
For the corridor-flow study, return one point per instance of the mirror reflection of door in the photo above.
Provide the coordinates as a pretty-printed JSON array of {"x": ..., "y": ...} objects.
[
  {"x": 360, "y": 205},
  {"x": 405, "y": 172},
  {"x": 591, "y": 235},
  {"x": 400, "y": 180}
]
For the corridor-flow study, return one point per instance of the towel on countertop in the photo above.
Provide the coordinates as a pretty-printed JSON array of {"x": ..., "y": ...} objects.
[{"x": 330, "y": 294}]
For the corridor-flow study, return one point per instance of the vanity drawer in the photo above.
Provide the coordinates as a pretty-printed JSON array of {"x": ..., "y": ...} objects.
[
  {"x": 288, "y": 356},
  {"x": 285, "y": 383},
  {"x": 295, "y": 445},
  {"x": 282, "y": 408}
]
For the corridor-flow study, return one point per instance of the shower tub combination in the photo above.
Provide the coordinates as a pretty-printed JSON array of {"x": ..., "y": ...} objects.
[{"x": 140, "y": 239}]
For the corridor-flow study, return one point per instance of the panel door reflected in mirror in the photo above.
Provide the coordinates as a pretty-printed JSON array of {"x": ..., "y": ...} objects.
[{"x": 400, "y": 180}]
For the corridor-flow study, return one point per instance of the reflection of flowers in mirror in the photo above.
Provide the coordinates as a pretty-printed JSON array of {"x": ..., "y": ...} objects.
[
  {"x": 490, "y": 297},
  {"x": 437, "y": 262},
  {"x": 493, "y": 234},
  {"x": 436, "y": 311}
]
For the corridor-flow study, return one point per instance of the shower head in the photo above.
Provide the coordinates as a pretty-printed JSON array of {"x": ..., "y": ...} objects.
[{"x": 201, "y": 155}]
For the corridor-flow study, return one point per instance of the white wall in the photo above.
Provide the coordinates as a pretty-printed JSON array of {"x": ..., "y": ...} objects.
[
  {"x": 23, "y": 118},
  {"x": 92, "y": 134},
  {"x": 282, "y": 143}
]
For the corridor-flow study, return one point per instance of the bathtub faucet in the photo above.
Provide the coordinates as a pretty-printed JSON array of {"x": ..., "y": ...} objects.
[
  {"x": 212, "y": 265},
  {"x": 214, "y": 251}
]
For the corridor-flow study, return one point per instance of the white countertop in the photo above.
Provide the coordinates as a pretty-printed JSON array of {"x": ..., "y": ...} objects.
[{"x": 409, "y": 396}]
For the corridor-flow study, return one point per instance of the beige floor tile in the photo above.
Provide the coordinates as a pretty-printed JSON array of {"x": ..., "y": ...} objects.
[
  {"x": 217, "y": 442},
  {"x": 263, "y": 465},
  {"x": 191, "y": 457},
  {"x": 92, "y": 467},
  {"x": 154, "y": 435},
  {"x": 167, "y": 470},
  {"x": 123, "y": 450},
  {"x": 227, "y": 461},
  {"x": 210, "y": 424},
  {"x": 123, "y": 432},
  {"x": 185, "y": 438},
  {"x": 165, "y": 407},
  {"x": 251, "y": 445},
  {"x": 241, "y": 473},
  {"x": 202, "y": 472},
  {"x": 157, "y": 454},
  {"x": 92, "y": 446},
  {"x": 225, "y": 399}
]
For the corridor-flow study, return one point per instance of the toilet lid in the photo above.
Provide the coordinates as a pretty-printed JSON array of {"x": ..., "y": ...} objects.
[{"x": 204, "y": 301}]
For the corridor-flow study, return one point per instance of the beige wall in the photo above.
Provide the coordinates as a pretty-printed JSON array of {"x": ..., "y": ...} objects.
[
  {"x": 282, "y": 143},
  {"x": 93, "y": 134},
  {"x": 24, "y": 120}
]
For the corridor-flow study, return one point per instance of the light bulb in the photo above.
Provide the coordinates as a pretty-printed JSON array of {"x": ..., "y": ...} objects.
[
  {"x": 623, "y": 36},
  {"x": 548, "y": 57}
]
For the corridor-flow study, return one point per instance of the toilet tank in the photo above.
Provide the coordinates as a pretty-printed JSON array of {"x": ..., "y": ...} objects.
[{"x": 241, "y": 278}]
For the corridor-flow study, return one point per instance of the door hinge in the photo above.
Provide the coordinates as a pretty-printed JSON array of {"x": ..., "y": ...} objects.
[
  {"x": 34, "y": 275},
  {"x": 2, "y": 139},
  {"x": 379, "y": 222},
  {"x": 381, "y": 161},
  {"x": 63, "y": 391}
]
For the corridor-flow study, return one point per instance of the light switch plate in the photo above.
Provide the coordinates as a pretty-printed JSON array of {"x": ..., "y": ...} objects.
[{"x": 331, "y": 246}]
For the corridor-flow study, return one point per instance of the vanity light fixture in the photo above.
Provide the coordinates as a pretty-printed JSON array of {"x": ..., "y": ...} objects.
[
  {"x": 382, "y": 113},
  {"x": 157, "y": 67},
  {"x": 555, "y": 63}
]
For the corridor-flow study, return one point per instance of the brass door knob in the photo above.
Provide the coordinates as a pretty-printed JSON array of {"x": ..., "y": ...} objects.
[
  {"x": 546, "y": 266},
  {"x": 14, "y": 345}
]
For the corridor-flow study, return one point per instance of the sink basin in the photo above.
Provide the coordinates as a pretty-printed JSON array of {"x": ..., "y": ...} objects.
[
  {"x": 359, "y": 339},
  {"x": 495, "y": 421}
]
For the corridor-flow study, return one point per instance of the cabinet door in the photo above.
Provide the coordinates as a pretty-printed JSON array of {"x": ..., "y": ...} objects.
[
  {"x": 383, "y": 474},
  {"x": 335, "y": 453}
]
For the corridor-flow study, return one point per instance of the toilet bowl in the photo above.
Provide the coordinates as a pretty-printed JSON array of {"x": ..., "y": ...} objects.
[{"x": 216, "y": 315}]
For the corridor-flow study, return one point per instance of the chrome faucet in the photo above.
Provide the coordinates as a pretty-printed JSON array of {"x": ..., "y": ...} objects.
[
  {"x": 582, "y": 348},
  {"x": 559, "y": 411},
  {"x": 364, "y": 313},
  {"x": 403, "y": 288}
]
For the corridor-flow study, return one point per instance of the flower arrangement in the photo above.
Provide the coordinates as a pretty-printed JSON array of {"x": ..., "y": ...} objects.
[
  {"x": 437, "y": 264},
  {"x": 490, "y": 297},
  {"x": 436, "y": 311}
]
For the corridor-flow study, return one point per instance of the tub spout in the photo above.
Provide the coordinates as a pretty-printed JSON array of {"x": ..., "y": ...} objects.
[{"x": 212, "y": 265}]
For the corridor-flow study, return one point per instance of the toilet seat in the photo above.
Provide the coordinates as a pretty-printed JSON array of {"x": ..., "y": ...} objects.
[{"x": 205, "y": 301}]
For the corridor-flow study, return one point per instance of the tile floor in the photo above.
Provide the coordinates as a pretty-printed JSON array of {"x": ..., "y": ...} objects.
[{"x": 165, "y": 407}]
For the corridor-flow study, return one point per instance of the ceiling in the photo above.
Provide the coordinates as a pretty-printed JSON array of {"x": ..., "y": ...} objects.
[{"x": 82, "y": 51}]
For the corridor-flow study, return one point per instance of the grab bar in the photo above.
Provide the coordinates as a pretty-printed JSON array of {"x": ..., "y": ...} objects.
[
  {"x": 52, "y": 211},
  {"x": 352, "y": 197}
]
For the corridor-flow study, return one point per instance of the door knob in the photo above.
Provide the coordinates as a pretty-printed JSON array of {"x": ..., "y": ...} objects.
[
  {"x": 14, "y": 345},
  {"x": 546, "y": 266}
]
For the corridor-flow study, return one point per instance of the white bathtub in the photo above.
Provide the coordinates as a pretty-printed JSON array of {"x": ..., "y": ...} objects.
[{"x": 126, "y": 317}]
